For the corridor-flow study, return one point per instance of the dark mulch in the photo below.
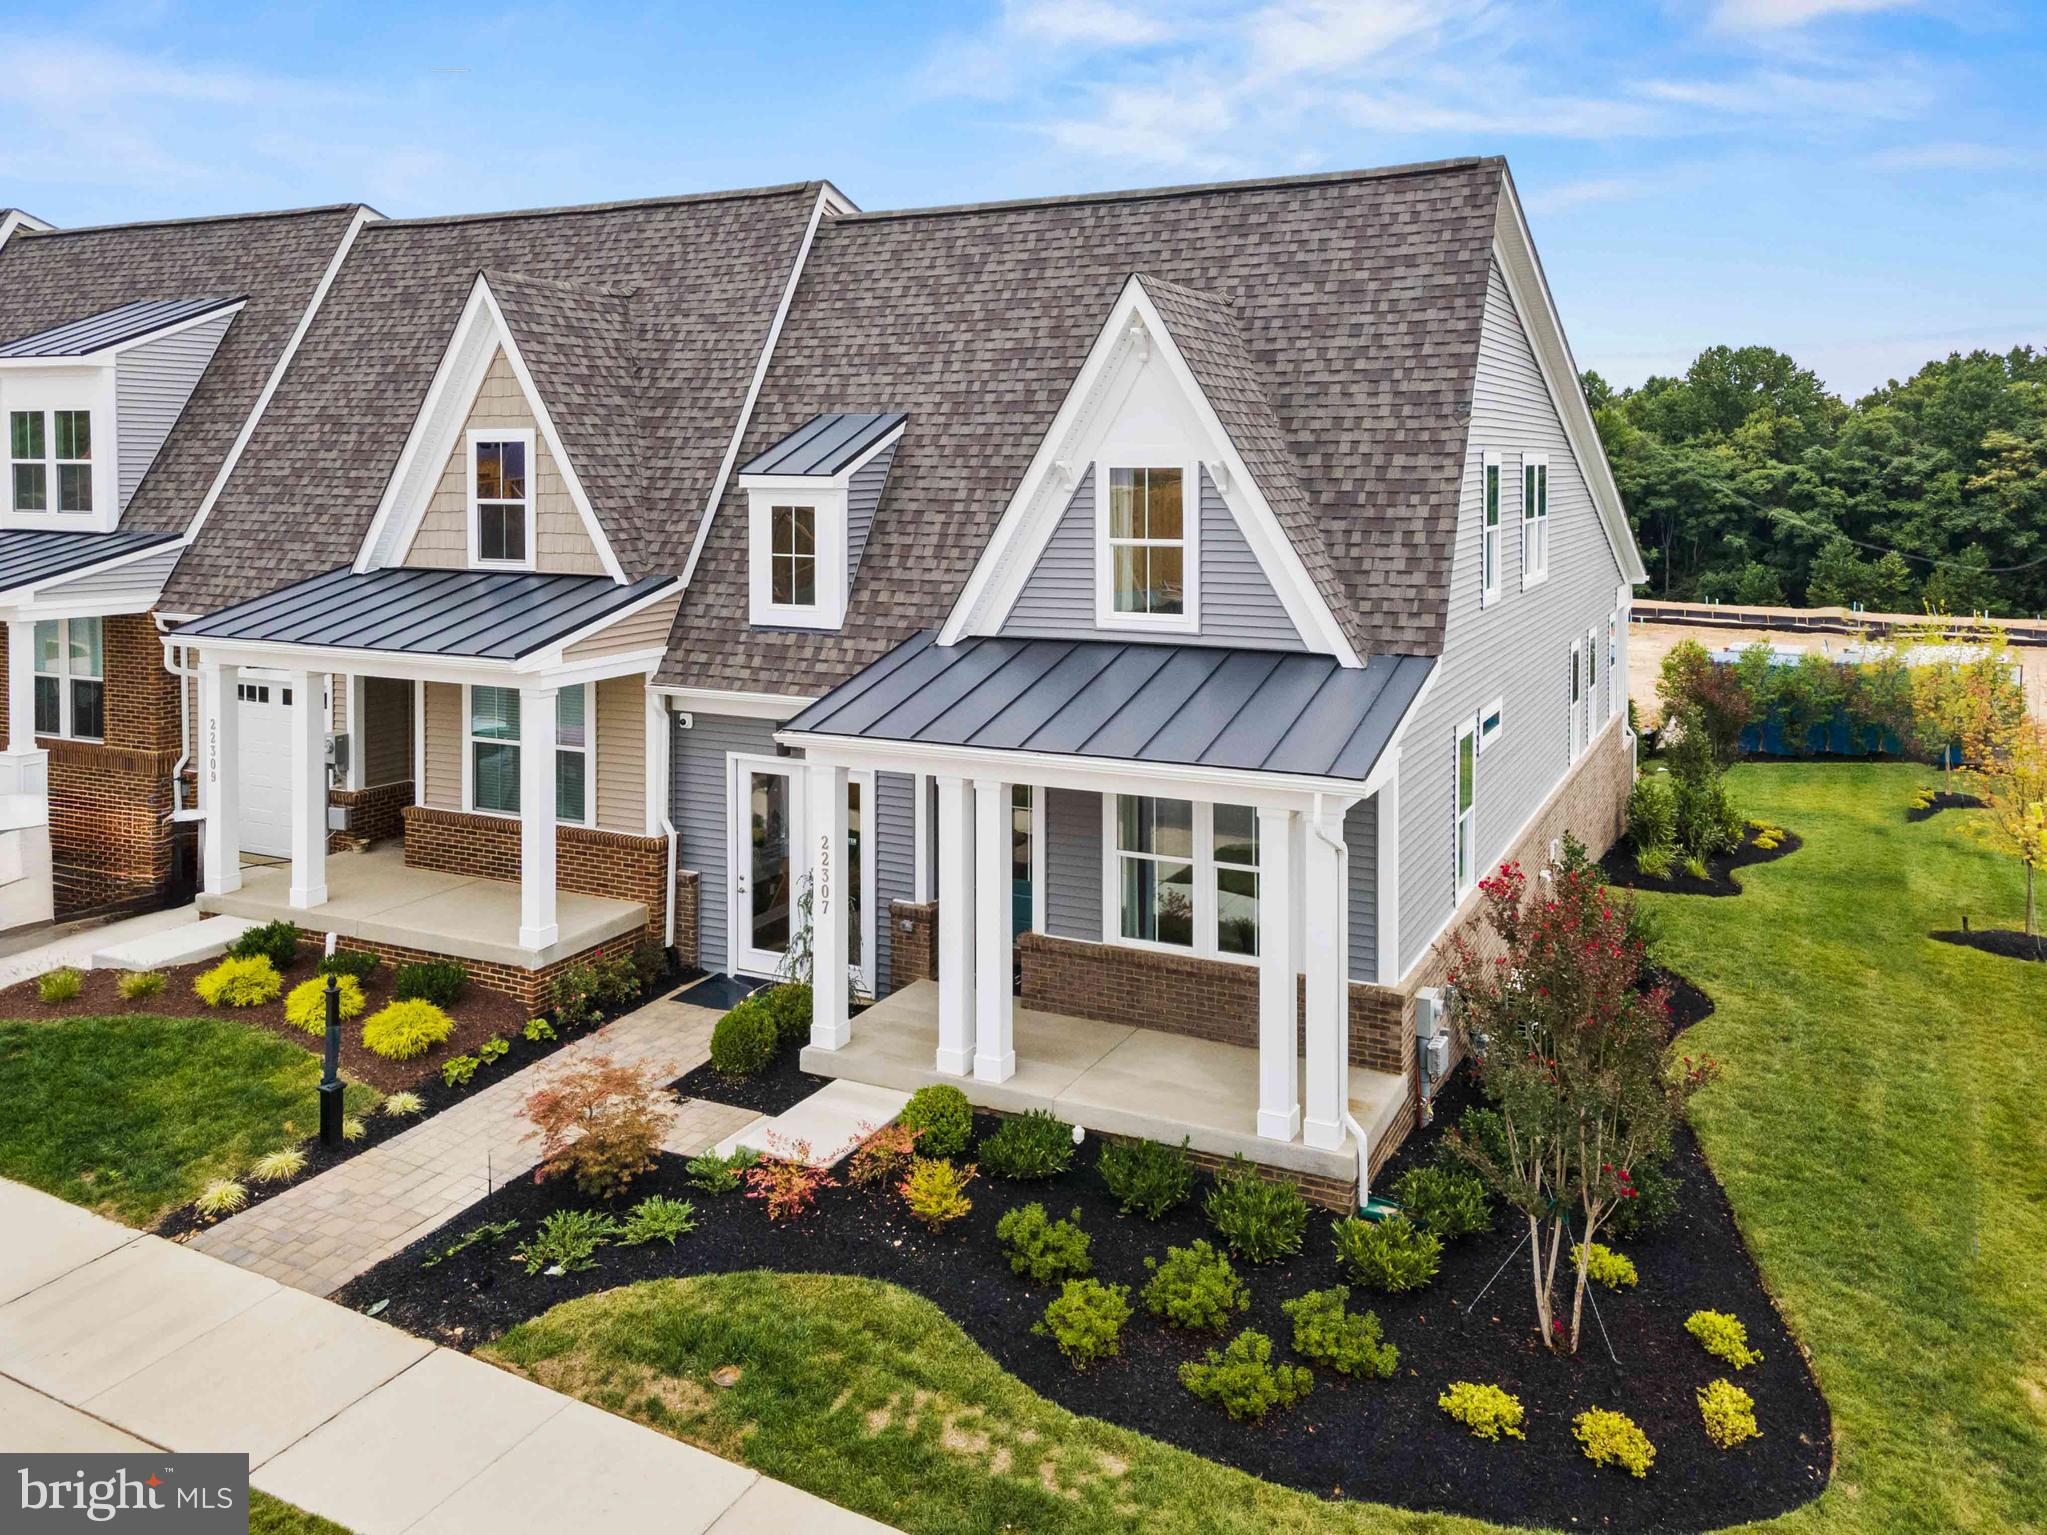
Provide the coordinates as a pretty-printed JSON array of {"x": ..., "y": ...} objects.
[
  {"x": 1381, "y": 1440},
  {"x": 1688, "y": 1004},
  {"x": 1943, "y": 801},
  {"x": 2006, "y": 942},
  {"x": 775, "y": 1091},
  {"x": 1618, "y": 867}
]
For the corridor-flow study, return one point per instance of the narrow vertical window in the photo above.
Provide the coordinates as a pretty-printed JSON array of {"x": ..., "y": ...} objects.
[
  {"x": 73, "y": 432},
  {"x": 1236, "y": 880},
  {"x": 1489, "y": 558},
  {"x": 501, "y": 475},
  {"x": 494, "y": 749},
  {"x": 572, "y": 754},
  {"x": 1534, "y": 519},
  {"x": 1147, "y": 547},
  {"x": 792, "y": 556},
  {"x": 1467, "y": 805},
  {"x": 1022, "y": 895},
  {"x": 28, "y": 474},
  {"x": 1576, "y": 693},
  {"x": 1591, "y": 682},
  {"x": 1155, "y": 855}
]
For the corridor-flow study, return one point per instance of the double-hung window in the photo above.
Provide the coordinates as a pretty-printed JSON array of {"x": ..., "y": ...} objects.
[
  {"x": 501, "y": 497},
  {"x": 792, "y": 556},
  {"x": 1576, "y": 696},
  {"x": 49, "y": 460},
  {"x": 70, "y": 687},
  {"x": 1185, "y": 875},
  {"x": 1147, "y": 542},
  {"x": 1534, "y": 518},
  {"x": 1467, "y": 807},
  {"x": 1489, "y": 549},
  {"x": 495, "y": 743}
]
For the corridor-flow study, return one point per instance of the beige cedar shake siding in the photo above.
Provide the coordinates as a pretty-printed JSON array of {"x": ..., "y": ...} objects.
[
  {"x": 644, "y": 630},
  {"x": 619, "y": 770}
]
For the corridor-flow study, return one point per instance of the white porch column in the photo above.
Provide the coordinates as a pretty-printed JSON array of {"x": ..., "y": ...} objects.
[
  {"x": 538, "y": 724},
  {"x": 308, "y": 791},
  {"x": 1328, "y": 1071},
  {"x": 955, "y": 926},
  {"x": 994, "y": 997},
  {"x": 26, "y": 767},
  {"x": 830, "y": 899},
  {"x": 220, "y": 717},
  {"x": 1279, "y": 1078}
]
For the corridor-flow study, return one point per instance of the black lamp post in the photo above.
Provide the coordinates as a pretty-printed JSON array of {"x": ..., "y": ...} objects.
[{"x": 330, "y": 1074}]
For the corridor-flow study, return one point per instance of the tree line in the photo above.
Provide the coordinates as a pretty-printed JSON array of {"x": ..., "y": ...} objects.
[{"x": 1746, "y": 481}]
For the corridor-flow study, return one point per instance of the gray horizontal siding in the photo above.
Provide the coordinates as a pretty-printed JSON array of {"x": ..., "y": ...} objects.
[
  {"x": 1058, "y": 599},
  {"x": 1361, "y": 837},
  {"x": 863, "y": 495},
  {"x": 697, "y": 788},
  {"x": 1073, "y": 864},
  {"x": 895, "y": 861},
  {"x": 152, "y": 382},
  {"x": 149, "y": 570}
]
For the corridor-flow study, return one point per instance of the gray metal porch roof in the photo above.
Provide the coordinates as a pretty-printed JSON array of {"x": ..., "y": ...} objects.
[
  {"x": 486, "y": 614},
  {"x": 1191, "y": 705},
  {"x": 111, "y": 327},
  {"x": 826, "y": 444},
  {"x": 29, "y": 555}
]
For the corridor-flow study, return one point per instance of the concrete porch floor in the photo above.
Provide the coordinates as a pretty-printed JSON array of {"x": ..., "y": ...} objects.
[
  {"x": 377, "y": 897},
  {"x": 1107, "y": 1077}
]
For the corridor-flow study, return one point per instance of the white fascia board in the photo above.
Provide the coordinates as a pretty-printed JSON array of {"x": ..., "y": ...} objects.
[
  {"x": 474, "y": 670},
  {"x": 277, "y": 372},
  {"x": 759, "y": 706},
  {"x": 1514, "y": 250},
  {"x": 1034, "y": 511},
  {"x": 15, "y": 219},
  {"x": 829, "y": 200}
]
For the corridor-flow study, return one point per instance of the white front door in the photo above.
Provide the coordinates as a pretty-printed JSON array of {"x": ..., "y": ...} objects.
[
  {"x": 765, "y": 797},
  {"x": 265, "y": 766}
]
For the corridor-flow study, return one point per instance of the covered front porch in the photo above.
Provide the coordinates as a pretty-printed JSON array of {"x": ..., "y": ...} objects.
[{"x": 1112, "y": 1079}]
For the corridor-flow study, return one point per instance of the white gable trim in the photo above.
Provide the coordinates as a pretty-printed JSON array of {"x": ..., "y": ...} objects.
[
  {"x": 1514, "y": 250},
  {"x": 439, "y": 429},
  {"x": 1040, "y": 500},
  {"x": 15, "y": 219}
]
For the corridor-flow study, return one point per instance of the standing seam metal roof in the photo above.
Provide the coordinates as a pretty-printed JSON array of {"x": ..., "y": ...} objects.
[
  {"x": 825, "y": 444},
  {"x": 28, "y": 555},
  {"x": 1194, "y": 705},
  {"x": 111, "y": 327}
]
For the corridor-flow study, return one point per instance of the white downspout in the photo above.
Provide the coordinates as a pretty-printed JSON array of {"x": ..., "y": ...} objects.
[
  {"x": 661, "y": 802},
  {"x": 1350, "y": 1123},
  {"x": 184, "y": 675}
]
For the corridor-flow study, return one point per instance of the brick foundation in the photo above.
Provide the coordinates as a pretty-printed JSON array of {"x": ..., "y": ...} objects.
[
  {"x": 613, "y": 864},
  {"x": 688, "y": 893},
  {"x": 913, "y": 942},
  {"x": 374, "y": 814},
  {"x": 531, "y": 989}
]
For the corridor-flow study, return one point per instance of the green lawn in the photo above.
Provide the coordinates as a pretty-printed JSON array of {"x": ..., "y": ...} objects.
[
  {"x": 270, "y": 1516},
  {"x": 132, "y": 1116},
  {"x": 1879, "y": 1127}
]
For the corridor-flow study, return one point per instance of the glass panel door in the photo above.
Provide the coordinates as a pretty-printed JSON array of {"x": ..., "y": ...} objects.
[{"x": 764, "y": 837}]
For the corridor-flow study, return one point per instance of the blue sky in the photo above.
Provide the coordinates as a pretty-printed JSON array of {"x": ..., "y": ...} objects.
[{"x": 1856, "y": 181}]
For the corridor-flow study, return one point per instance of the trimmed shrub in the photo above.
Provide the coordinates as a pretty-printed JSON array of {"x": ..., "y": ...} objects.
[
  {"x": 1393, "y": 1255},
  {"x": 1261, "y": 1219},
  {"x": 1042, "y": 1249},
  {"x": 789, "y": 1006},
  {"x": 1723, "y": 1337},
  {"x": 936, "y": 1191},
  {"x": 567, "y": 1241},
  {"x": 743, "y": 1042},
  {"x": 601, "y": 1123},
  {"x": 1444, "y": 1202},
  {"x": 1148, "y": 1178},
  {"x": 305, "y": 1007},
  {"x": 1242, "y": 1380},
  {"x": 140, "y": 985},
  {"x": 60, "y": 985},
  {"x": 942, "y": 1117},
  {"x": 1348, "y": 1342},
  {"x": 1729, "y": 1413},
  {"x": 359, "y": 963},
  {"x": 1196, "y": 1288},
  {"x": 403, "y": 1030},
  {"x": 1614, "y": 1270},
  {"x": 657, "y": 1219},
  {"x": 720, "y": 1175},
  {"x": 276, "y": 941},
  {"x": 246, "y": 982},
  {"x": 439, "y": 981},
  {"x": 1611, "y": 1439},
  {"x": 1034, "y": 1144},
  {"x": 1086, "y": 1320},
  {"x": 1487, "y": 1411},
  {"x": 278, "y": 1166},
  {"x": 223, "y": 1196}
]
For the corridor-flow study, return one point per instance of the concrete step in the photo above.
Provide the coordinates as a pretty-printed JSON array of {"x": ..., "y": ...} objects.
[
  {"x": 831, "y": 1122},
  {"x": 181, "y": 945}
]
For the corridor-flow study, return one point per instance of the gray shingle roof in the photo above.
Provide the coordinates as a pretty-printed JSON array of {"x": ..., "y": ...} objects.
[
  {"x": 276, "y": 259},
  {"x": 111, "y": 327},
  {"x": 1201, "y": 706},
  {"x": 28, "y": 555},
  {"x": 1356, "y": 302},
  {"x": 825, "y": 444},
  {"x": 491, "y": 614},
  {"x": 701, "y": 279}
]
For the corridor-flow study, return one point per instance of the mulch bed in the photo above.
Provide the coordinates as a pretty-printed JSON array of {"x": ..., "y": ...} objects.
[
  {"x": 775, "y": 1091},
  {"x": 1381, "y": 1440},
  {"x": 1943, "y": 801},
  {"x": 1618, "y": 867},
  {"x": 1688, "y": 1004},
  {"x": 2006, "y": 942}
]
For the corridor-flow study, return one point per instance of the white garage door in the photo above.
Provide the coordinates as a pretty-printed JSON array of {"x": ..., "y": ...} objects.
[{"x": 266, "y": 765}]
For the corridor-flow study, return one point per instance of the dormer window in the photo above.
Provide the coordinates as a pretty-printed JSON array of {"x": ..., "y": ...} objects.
[
  {"x": 1147, "y": 541},
  {"x": 810, "y": 503},
  {"x": 501, "y": 497},
  {"x": 50, "y": 460},
  {"x": 792, "y": 556}
]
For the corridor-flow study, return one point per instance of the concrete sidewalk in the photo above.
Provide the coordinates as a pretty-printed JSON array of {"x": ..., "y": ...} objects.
[{"x": 112, "y": 1340}]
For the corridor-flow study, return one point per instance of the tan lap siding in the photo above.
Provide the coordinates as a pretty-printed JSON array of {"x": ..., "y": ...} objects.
[
  {"x": 444, "y": 732},
  {"x": 622, "y": 754}
]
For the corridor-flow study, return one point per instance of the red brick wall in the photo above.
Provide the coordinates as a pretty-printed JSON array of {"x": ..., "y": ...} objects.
[
  {"x": 531, "y": 989},
  {"x": 605, "y": 863},
  {"x": 375, "y": 813},
  {"x": 688, "y": 884},
  {"x": 913, "y": 942}
]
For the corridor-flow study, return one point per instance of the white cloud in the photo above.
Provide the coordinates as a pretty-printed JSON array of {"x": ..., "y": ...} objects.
[
  {"x": 1781, "y": 15},
  {"x": 1952, "y": 155},
  {"x": 1578, "y": 194},
  {"x": 1086, "y": 23}
]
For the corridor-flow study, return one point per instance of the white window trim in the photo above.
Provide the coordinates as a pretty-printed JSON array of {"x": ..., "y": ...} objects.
[
  {"x": 1205, "y": 893},
  {"x": 525, "y": 435},
  {"x": 1614, "y": 696},
  {"x": 1188, "y": 620},
  {"x": 1491, "y": 535},
  {"x": 1535, "y": 521},
  {"x": 1463, "y": 865},
  {"x": 64, "y": 677},
  {"x": 827, "y": 501},
  {"x": 469, "y": 740},
  {"x": 1495, "y": 713},
  {"x": 1574, "y": 697},
  {"x": 1037, "y": 793}
]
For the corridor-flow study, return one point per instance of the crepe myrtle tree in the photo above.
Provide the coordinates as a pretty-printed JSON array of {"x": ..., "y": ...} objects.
[
  {"x": 2012, "y": 784},
  {"x": 1572, "y": 1051}
]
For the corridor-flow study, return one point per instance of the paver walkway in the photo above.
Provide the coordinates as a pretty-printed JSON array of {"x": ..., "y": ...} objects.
[
  {"x": 111, "y": 1340},
  {"x": 325, "y": 1231}
]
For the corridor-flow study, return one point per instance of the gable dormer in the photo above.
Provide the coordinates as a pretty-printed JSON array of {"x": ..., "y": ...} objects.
[
  {"x": 811, "y": 500},
  {"x": 486, "y": 480},
  {"x": 87, "y": 405},
  {"x": 1163, "y": 503}
]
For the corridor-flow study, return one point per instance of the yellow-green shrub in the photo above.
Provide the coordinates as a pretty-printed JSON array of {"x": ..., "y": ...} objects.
[
  {"x": 306, "y": 1006},
  {"x": 1486, "y": 1410},
  {"x": 246, "y": 982},
  {"x": 936, "y": 1191},
  {"x": 406, "y": 1029},
  {"x": 60, "y": 985},
  {"x": 1611, "y": 1439},
  {"x": 1612, "y": 1269},
  {"x": 1729, "y": 1413},
  {"x": 1723, "y": 1337}
]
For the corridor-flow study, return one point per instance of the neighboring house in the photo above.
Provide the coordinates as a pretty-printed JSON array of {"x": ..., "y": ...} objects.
[{"x": 133, "y": 361}]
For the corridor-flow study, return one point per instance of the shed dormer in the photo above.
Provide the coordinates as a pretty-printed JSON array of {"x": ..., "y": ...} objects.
[
  {"x": 87, "y": 405},
  {"x": 810, "y": 504}
]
